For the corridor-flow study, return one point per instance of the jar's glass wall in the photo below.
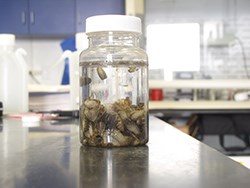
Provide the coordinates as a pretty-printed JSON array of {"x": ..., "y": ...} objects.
[{"x": 114, "y": 94}]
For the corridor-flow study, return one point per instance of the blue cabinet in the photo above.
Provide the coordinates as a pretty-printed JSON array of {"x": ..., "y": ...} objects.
[
  {"x": 37, "y": 18},
  {"x": 86, "y": 8},
  {"x": 52, "y": 17},
  {"x": 13, "y": 16}
]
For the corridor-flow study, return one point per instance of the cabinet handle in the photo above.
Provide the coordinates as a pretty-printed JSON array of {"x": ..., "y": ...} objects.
[
  {"x": 32, "y": 17},
  {"x": 23, "y": 18}
]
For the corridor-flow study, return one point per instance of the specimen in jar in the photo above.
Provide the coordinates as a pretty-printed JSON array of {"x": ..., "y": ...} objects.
[{"x": 118, "y": 124}]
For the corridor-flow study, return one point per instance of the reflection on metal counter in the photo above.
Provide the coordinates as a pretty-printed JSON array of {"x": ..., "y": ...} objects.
[{"x": 101, "y": 167}]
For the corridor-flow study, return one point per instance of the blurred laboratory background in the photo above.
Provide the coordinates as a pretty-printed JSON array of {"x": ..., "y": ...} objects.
[
  {"x": 198, "y": 50},
  {"x": 207, "y": 39}
]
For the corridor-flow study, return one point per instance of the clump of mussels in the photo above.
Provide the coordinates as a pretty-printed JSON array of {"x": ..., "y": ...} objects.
[{"x": 117, "y": 124}]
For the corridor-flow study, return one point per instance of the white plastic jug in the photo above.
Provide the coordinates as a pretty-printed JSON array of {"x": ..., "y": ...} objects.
[
  {"x": 81, "y": 44},
  {"x": 13, "y": 76}
]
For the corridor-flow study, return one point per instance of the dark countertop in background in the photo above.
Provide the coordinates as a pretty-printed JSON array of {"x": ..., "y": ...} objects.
[{"x": 51, "y": 156}]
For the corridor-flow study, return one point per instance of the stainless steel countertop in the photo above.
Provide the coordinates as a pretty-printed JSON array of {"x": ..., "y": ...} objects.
[{"x": 51, "y": 155}]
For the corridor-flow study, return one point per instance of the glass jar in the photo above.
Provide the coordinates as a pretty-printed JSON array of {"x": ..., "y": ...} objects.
[{"x": 113, "y": 83}]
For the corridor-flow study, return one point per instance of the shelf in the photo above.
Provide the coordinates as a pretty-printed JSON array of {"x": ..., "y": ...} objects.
[
  {"x": 199, "y": 105},
  {"x": 37, "y": 88},
  {"x": 200, "y": 84}
]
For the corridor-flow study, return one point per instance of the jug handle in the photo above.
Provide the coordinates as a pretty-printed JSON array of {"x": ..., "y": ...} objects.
[
  {"x": 66, "y": 54},
  {"x": 20, "y": 54},
  {"x": 21, "y": 51}
]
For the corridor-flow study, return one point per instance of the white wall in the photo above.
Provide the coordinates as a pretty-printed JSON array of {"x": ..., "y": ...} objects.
[{"x": 226, "y": 59}]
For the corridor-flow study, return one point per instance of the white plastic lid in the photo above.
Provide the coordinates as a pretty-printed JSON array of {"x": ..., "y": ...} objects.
[
  {"x": 113, "y": 23},
  {"x": 7, "y": 39},
  {"x": 81, "y": 41}
]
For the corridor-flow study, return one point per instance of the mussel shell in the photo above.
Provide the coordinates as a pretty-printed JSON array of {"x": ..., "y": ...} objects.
[
  {"x": 137, "y": 114},
  {"x": 132, "y": 127},
  {"x": 85, "y": 81},
  {"x": 101, "y": 73},
  {"x": 91, "y": 103},
  {"x": 132, "y": 68}
]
